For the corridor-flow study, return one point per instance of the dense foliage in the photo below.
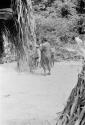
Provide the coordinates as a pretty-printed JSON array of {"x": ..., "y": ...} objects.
[
  {"x": 63, "y": 17},
  {"x": 59, "y": 21}
]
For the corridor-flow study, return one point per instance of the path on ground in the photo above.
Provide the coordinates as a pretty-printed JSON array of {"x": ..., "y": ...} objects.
[{"x": 34, "y": 98}]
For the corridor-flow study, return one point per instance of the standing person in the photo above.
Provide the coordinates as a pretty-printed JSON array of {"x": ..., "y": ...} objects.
[
  {"x": 37, "y": 56},
  {"x": 46, "y": 56}
]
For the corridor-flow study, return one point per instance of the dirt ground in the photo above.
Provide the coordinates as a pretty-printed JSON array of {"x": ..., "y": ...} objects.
[{"x": 34, "y": 99}]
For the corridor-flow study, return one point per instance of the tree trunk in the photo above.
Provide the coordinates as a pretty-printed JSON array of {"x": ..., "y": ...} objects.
[
  {"x": 26, "y": 31},
  {"x": 75, "y": 107}
]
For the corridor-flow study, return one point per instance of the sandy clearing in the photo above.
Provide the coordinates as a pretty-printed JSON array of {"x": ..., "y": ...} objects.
[{"x": 35, "y": 99}]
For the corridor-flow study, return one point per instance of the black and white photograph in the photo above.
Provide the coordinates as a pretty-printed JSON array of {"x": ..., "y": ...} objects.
[{"x": 42, "y": 62}]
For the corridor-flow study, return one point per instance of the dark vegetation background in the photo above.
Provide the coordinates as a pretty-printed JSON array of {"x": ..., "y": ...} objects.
[{"x": 59, "y": 21}]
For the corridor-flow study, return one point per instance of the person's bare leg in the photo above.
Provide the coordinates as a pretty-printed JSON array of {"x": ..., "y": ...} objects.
[
  {"x": 49, "y": 68},
  {"x": 44, "y": 70}
]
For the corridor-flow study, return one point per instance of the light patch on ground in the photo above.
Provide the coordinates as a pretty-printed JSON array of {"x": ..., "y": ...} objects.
[{"x": 34, "y": 99}]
